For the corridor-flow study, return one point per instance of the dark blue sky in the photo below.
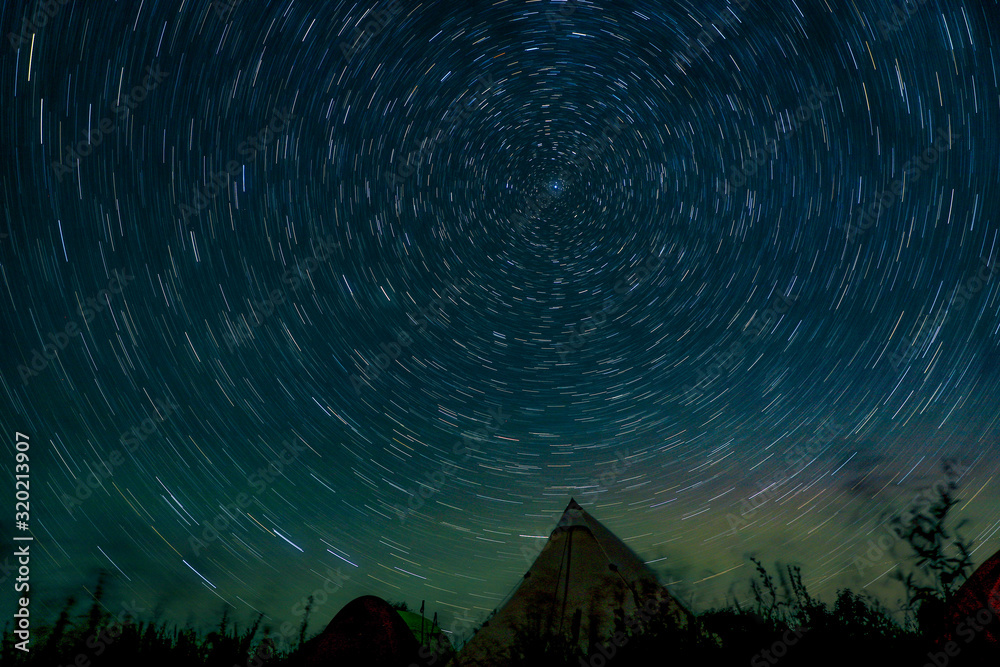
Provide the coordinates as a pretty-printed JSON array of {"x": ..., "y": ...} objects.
[{"x": 290, "y": 286}]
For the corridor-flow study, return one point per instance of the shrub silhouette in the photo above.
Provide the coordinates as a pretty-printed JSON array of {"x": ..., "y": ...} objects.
[
  {"x": 855, "y": 629},
  {"x": 942, "y": 558}
]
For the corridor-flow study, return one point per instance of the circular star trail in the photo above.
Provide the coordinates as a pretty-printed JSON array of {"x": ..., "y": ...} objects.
[{"x": 359, "y": 295}]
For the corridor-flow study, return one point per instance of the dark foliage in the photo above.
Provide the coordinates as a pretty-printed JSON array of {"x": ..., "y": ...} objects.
[{"x": 785, "y": 625}]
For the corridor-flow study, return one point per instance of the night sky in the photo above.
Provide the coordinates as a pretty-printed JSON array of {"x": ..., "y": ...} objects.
[{"x": 377, "y": 288}]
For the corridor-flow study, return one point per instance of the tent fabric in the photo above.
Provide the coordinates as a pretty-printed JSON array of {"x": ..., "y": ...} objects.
[
  {"x": 978, "y": 597},
  {"x": 366, "y": 632},
  {"x": 582, "y": 586}
]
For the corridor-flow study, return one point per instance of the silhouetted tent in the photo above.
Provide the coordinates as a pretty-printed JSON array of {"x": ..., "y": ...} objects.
[
  {"x": 427, "y": 633},
  {"x": 367, "y": 632},
  {"x": 583, "y": 586},
  {"x": 978, "y": 597}
]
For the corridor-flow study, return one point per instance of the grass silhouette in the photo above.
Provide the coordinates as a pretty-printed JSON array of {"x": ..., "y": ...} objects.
[{"x": 783, "y": 625}]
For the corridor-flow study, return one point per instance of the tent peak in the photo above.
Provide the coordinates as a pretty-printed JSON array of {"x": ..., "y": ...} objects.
[{"x": 581, "y": 585}]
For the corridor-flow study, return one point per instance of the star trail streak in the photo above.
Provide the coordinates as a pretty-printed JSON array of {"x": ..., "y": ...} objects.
[{"x": 728, "y": 269}]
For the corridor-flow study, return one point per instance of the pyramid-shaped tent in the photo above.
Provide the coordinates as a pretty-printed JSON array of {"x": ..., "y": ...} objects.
[
  {"x": 367, "y": 632},
  {"x": 583, "y": 585}
]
